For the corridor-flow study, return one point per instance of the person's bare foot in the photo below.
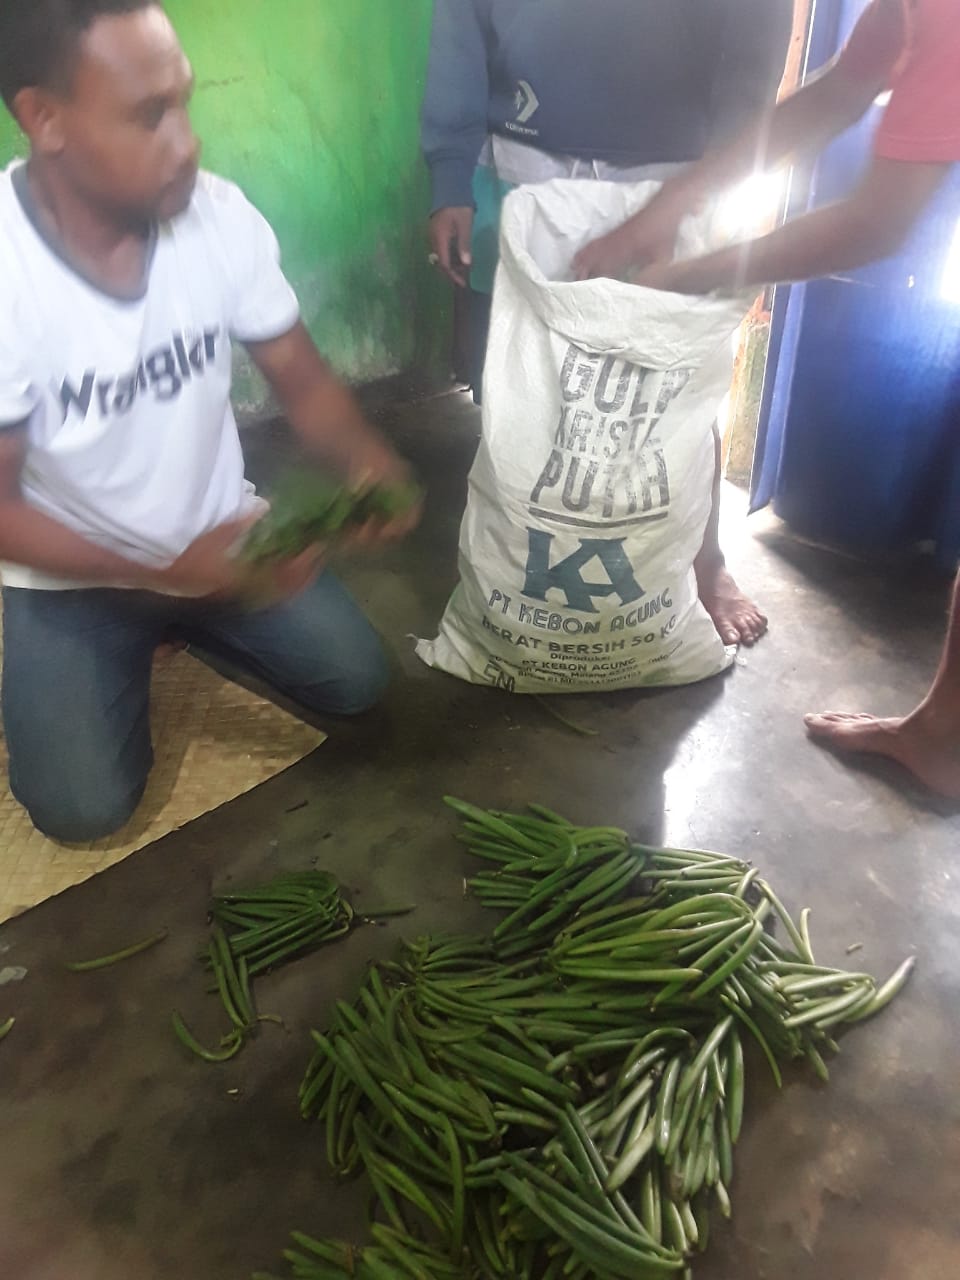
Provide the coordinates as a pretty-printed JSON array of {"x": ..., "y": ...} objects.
[
  {"x": 736, "y": 617},
  {"x": 925, "y": 744}
]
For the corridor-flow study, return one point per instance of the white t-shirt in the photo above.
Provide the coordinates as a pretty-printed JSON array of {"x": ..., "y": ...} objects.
[{"x": 132, "y": 439}]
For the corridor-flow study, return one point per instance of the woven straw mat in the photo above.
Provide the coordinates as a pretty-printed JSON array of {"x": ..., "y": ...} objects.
[{"x": 213, "y": 741}]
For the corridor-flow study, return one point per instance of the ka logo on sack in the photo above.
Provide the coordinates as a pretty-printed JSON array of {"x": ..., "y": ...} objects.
[{"x": 567, "y": 576}]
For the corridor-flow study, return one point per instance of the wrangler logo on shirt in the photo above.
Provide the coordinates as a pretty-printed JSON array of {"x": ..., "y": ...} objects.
[{"x": 163, "y": 373}]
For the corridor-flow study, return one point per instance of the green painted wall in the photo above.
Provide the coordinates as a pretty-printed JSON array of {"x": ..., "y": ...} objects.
[
  {"x": 11, "y": 143},
  {"x": 312, "y": 106}
]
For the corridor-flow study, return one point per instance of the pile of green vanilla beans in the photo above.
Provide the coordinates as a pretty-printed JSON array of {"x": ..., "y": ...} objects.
[
  {"x": 255, "y": 931},
  {"x": 562, "y": 1097}
]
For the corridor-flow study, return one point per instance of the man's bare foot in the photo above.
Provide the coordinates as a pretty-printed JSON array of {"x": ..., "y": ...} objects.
[
  {"x": 928, "y": 746},
  {"x": 737, "y": 618}
]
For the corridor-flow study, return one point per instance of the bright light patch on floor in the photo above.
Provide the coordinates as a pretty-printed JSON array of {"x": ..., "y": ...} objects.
[
  {"x": 751, "y": 207},
  {"x": 950, "y": 283}
]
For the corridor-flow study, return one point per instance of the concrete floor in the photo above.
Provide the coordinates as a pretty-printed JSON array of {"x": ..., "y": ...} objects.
[{"x": 121, "y": 1158}]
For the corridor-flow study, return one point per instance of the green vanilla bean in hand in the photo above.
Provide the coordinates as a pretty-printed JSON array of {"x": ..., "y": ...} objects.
[{"x": 308, "y": 509}]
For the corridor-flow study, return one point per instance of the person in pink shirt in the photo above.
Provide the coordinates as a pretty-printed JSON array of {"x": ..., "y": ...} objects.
[{"x": 912, "y": 48}]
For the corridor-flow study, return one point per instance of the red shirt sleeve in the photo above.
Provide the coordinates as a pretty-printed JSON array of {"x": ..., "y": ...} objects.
[
  {"x": 922, "y": 122},
  {"x": 912, "y": 47},
  {"x": 877, "y": 43}
]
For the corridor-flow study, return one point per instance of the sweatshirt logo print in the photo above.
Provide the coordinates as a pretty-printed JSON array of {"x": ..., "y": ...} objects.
[
  {"x": 163, "y": 374},
  {"x": 526, "y": 101}
]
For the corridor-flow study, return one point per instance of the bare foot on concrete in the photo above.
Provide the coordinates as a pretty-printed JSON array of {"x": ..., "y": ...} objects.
[
  {"x": 928, "y": 746},
  {"x": 736, "y": 617}
]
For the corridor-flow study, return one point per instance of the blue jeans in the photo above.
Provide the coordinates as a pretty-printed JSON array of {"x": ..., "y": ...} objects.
[{"x": 76, "y": 685}]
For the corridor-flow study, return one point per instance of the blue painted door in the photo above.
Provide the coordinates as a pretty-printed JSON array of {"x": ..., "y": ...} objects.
[{"x": 859, "y": 442}]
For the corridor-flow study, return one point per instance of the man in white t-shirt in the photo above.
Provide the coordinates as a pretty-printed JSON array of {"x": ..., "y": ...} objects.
[{"x": 126, "y": 274}]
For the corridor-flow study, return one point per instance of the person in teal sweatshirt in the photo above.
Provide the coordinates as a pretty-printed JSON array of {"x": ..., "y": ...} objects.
[{"x": 522, "y": 91}]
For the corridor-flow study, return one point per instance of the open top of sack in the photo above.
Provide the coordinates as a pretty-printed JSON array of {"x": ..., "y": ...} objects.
[{"x": 543, "y": 228}]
